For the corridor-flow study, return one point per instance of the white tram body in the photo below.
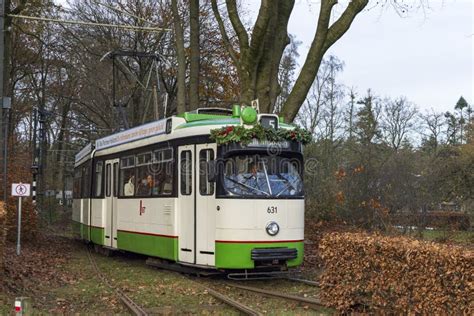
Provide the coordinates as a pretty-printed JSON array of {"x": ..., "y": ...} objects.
[{"x": 188, "y": 213}]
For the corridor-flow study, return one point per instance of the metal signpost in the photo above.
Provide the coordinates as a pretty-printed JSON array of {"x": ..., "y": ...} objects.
[{"x": 21, "y": 190}]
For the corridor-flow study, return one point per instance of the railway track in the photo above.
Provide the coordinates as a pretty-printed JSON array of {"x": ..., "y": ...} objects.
[
  {"x": 211, "y": 289},
  {"x": 295, "y": 298},
  {"x": 126, "y": 300},
  {"x": 308, "y": 282},
  {"x": 226, "y": 299}
]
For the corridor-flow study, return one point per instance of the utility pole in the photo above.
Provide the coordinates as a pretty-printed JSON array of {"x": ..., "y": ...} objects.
[
  {"x": 5, "y": 102},
  {"x": 3, "y": 159},
  {"x": 41, "y": 158},
  {"x": 34, "y": 167}
]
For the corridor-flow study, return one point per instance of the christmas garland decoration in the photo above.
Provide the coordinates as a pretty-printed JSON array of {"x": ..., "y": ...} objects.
[{"x": 240, "y": 134}]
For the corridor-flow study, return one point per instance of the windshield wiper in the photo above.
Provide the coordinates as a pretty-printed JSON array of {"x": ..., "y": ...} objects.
[
  {"x": 246, "y": 186},
  {"x": 266, "y": 177},
  {"x": 286, "y": 187}
]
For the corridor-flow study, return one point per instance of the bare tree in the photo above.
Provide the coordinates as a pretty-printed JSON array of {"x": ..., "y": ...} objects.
[
  {"x": 433, "y": 123},
  {"x": 287, "y": 72},
  {"x": 350, "y": 113},
  {"x": 397, "y": 121},
  {"x": 333, "y": 96},
  {"x": 321, "y": 109}
]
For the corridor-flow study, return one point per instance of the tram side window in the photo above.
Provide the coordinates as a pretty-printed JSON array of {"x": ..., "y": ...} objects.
[
  {"x": 98, "y": 179},
  {"x": 127, "y": 176},
  {"x": 205, "y": 187},
  {"x": 145, "y": 184},
  {"x": 186, "y": 165},
  {"x": 115, "y": 184},
  {"x": 77, "y": 183},
  {"x": 162, "y": 171},
  {"x": 86, "y": 181},
  {"x": 107, "y": 180}
]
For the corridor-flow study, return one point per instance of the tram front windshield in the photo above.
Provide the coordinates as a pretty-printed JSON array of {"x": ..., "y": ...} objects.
[{"x": 263, "y": 176}]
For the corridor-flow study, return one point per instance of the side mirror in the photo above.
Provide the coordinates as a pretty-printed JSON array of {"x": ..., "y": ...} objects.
[{"x": 211, "y": 171}]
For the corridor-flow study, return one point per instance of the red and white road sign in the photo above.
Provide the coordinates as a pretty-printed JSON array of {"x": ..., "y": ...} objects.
[{"x": 20, "y": 189}]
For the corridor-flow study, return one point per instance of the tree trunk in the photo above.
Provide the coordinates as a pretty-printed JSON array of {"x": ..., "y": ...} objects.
[
  {"x": 194, "y": 55},
  {"x": 181, "y": 57},
  {"x": 276, "y": 41}
]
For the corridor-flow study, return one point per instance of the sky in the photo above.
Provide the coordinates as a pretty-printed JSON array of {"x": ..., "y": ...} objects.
[{"x": 426, "y": 56}]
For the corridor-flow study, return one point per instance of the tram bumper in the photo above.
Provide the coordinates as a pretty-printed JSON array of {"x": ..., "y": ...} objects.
[{"x": 252, "y": 255}]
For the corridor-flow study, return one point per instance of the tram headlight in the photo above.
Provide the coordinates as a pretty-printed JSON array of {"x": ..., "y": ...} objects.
[{"x": 272, "y": 228}]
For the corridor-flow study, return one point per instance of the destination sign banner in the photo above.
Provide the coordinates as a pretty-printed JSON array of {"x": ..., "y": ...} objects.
[
  {"x": 266, "y": 143},
  {"x": 84, "y": 152},
  {"x": 133, "y": 134}
]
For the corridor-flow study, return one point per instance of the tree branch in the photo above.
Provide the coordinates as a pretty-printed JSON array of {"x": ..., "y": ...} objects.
[
  {"x": 223, "y": 32},
  {"x": 311, "y": 64},
  {"x": 260, "y": 27},
  {"x": 237, "y": 24},
  {"x": 340, "y": 27}
]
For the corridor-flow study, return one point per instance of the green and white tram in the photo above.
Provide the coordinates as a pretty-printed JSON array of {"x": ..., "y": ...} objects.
[{"x": 167, "y": 190}]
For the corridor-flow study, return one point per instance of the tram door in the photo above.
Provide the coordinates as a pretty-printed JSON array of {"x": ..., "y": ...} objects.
[
  {"x": 186, "y": 205},
  {"x": 111, "y": 192},
  {"x": 205, "y": 206}
]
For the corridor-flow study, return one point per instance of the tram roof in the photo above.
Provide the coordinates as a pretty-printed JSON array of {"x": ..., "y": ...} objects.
[{"x": 200, "y": 122}]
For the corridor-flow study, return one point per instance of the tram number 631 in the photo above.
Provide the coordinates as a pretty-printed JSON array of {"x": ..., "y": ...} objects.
[{"x": 272, "y": 210}]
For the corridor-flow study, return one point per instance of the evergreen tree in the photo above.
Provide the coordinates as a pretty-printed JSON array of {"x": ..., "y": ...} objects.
[
  {"x": 452, "y": 128},
  {"x": 367, "y": 126},
  {"x": 460, "y": 105}
]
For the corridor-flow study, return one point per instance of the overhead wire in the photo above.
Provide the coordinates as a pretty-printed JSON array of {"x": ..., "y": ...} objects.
[{"x": 63, "y": 21}]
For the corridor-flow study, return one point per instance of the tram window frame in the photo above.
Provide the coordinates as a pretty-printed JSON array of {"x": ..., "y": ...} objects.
[
  {"x": 146, "y": 161},
  {"x": 98, "y": 175},
  {"x": 86, "y": 181},
  {"x": 77, "y": 182},
  {"x": 162, "y": 168},
  {"x": 142, "y": 179},
  {"x": 126, "y": 167},
  {"x": 115, "y": 174},
  {"x": 159, "y": 154},
  {"x": 186, "y": 160},
  {"x": 107, "y": 179},
  {"x": 209, "y": 188}
]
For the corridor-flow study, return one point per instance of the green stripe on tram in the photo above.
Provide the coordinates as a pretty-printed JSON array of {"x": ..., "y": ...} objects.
[
  {"x": 229, "y": 121},
  {"x": 193, "y": 117},
  {"x": 157, "y": 246},
  {"x": 238, "y": 255},
  {"x": 85, "y": 232},
  {"x": 97, "y": 235}
]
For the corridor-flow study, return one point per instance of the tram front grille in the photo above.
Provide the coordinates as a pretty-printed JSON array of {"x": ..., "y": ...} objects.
[{"x": 270, "y": 254}]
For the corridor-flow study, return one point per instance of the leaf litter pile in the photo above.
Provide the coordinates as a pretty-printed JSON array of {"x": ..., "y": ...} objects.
[
  {"x": 37, "y": 267},
  {"x": 396, "y": 275}
]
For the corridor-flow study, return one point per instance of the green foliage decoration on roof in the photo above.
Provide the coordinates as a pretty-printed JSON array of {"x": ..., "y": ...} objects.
[{"x": 243, "y": 135}]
